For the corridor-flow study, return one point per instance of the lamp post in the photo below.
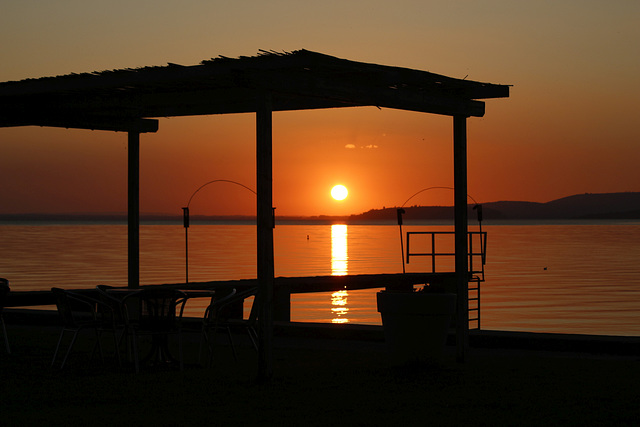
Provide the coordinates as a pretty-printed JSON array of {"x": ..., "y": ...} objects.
[
  {"x": 185, "y": 220},
  {"x": 400, "y": 212}
]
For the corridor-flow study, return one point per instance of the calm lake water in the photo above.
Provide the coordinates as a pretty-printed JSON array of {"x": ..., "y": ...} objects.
[{"x": 567, "y": 278}]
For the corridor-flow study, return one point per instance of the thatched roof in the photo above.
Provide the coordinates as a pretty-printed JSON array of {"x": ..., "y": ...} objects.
[{"x": 125, "y": 99}]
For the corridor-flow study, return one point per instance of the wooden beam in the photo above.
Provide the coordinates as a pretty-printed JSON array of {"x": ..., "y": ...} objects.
[
  {"x": 133, "y": 211},
  {"x": 345, "y": 92},
  {"x": 359, "y": 281},
  {"x": 294, "y": 285},
  {"x": 264, "y": 185},
  {"x": 89, "y": 123},
  {"x": 460, "y": 221},
  {"x": 291, "y": 91}
]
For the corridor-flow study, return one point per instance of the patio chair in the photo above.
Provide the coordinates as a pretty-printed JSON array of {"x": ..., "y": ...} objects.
[
  {"x": 4, "y": 291},
  {"x": 78, "y": 312},
  {"x": 156, "y": 312},
  {"x": 218, "y": 316},
  {"x": 210, "y": 316},
  {"x": 111, "y": 313}
]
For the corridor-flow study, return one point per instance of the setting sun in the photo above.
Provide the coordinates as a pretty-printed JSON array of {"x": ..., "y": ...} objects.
[{"x": 339, "y": 192}]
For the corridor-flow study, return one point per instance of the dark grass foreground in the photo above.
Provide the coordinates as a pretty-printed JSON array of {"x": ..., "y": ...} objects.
[{"x": 316, "y": 385}]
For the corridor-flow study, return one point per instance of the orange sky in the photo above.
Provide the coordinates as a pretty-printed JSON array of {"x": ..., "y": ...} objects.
[{"x": 569, "y": 126}]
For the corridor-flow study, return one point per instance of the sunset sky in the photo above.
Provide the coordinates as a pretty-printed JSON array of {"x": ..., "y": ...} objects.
[{"x": 569, "y": 126}]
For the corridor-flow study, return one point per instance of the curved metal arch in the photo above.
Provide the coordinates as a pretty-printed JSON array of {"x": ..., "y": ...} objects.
[
  {"x": 435, "y": 188},
  {"x": 218, "y": 180}
]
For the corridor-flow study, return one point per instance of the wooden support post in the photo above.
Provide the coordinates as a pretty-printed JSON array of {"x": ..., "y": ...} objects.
[
  {"x": 282, "y": 305},
  {"x": 134, "y": 209},
  {"x": 264, "y": 173},
  {"x": 460, "y": 202}
]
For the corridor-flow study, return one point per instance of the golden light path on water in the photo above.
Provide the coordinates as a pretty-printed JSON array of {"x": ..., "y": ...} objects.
[
  {"x": 339, "y": 267},
  {"x": 339, "y": 255}
]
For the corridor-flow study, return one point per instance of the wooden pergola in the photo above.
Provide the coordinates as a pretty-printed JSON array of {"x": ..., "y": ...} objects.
[{"x": 129, "y": 100}]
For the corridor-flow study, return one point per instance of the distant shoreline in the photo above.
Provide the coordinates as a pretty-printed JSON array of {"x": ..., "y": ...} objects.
[
  {"x": 177, "y": 222},
  {"x": 588, "y": 206}
]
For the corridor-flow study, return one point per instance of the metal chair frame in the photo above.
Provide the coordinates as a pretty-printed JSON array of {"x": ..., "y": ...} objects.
[
  {"x": 112, "y": 313},
  {"x": 216, "y": 317},
  {"x": 73, "y": 322}
]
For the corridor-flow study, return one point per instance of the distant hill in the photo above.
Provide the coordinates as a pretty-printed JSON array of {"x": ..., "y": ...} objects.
[{"x": 580, "y": 206}]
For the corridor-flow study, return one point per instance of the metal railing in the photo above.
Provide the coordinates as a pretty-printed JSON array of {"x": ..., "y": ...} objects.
[
  {"x": 476, "y": 244},
  {"x": 440, "y": 248}
]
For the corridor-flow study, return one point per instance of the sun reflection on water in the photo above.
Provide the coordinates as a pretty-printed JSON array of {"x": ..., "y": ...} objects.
[
  {"x": 339, "y": 306},
  {"x": 339, "y": 256},
  {"x": 339, "y": 267}
]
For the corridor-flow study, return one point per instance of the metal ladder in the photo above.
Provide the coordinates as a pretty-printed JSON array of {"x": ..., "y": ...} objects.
[{"x": 474, "y": 302}]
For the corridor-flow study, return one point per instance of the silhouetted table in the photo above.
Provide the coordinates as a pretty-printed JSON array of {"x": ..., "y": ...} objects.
[{"x": 138, "y": 317}]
